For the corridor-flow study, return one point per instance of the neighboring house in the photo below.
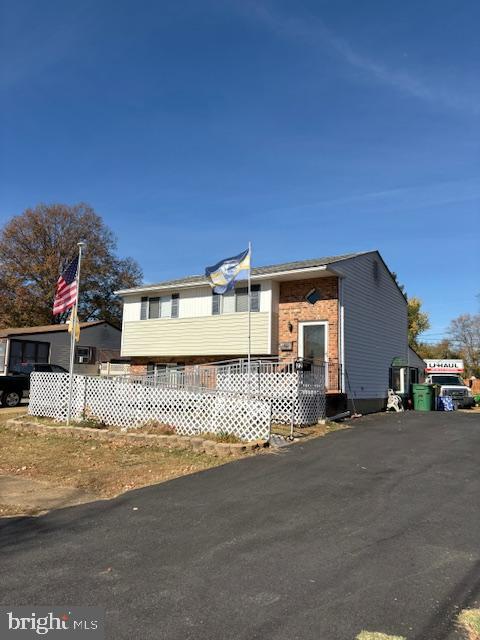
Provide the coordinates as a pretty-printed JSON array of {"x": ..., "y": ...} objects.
[
  {"x": 99, "y": 341},
  {"x": 346, "y": 311}
]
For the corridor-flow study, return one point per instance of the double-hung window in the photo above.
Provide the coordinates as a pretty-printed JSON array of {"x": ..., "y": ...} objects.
[
  {"x": 153, "y": 308},
  {"x": 159, "y": 307},
  {"x": 241, "y": 299},
  {"x": 236, "y": 301}
]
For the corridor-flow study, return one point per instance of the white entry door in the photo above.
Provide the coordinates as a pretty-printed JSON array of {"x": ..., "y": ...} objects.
[{"x": 313, "y": 341}]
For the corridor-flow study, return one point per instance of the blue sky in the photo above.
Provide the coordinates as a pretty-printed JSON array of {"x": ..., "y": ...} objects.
[{"x": 310, "y": 127}]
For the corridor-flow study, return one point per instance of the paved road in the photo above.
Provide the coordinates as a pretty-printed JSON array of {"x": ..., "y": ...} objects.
[{"x": 377, "y": 527}]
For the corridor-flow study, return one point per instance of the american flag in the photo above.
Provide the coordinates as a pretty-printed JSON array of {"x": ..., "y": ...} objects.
[{"x": 66, "y": 293}]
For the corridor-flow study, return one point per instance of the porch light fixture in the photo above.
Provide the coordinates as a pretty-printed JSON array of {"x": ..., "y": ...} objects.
[
  {"x": 312, "y": 296},
  {"x": 290, "y": 327}
]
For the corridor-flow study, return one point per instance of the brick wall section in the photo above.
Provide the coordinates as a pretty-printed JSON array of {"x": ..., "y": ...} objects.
[{"x": 294, "y": 308}]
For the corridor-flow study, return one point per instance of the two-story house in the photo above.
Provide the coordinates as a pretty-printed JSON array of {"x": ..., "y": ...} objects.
[{"x": 346, "y": 311}]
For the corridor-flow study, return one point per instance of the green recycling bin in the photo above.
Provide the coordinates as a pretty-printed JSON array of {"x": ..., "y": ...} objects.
[{"x": 423, "y": 397}]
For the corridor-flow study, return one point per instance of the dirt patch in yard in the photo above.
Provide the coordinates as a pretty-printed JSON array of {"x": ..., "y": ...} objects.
[
  {"x": 7, "y": 510},
  {"x": 26, "y": 496},
  {"x": 313, "y": 431},
  {"x": 375, "y": 635},
  {"x": 103, "y": 468}
]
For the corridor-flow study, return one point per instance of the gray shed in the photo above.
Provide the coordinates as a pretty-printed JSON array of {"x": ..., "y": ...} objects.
[{"x": 99, "y": 342}]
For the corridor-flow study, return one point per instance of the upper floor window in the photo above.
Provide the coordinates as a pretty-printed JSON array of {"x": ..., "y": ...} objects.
[
  {"x": 241, "y": 298},
  {"x": 159, "y": 307},
  {"x": 238, "y": 300},
  {"x": 216, "y": 303}
]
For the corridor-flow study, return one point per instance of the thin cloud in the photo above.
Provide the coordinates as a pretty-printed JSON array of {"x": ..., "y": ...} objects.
[
  {"x": 404, "y": 198},
  {"x": 315, "y": 33}
]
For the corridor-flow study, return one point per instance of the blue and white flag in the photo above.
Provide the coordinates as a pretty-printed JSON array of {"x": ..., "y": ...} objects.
[{"x": 222, "y": 275}]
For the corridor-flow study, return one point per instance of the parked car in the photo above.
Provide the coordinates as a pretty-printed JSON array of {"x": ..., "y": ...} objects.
[
  {"x": 452, "y": 385},
  {"x": 27, "y": 368},
  {"x": 16, "y": 386}
]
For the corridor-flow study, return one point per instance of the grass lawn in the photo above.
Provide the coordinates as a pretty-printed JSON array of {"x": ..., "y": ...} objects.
[
  {"x": 99, "y": 468},
  {"x": 469, "y": 622},
  {"x": 105, "y": 468}
]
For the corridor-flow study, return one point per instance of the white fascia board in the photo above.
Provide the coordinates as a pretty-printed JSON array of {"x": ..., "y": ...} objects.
[{"x": 278, "y": 275}]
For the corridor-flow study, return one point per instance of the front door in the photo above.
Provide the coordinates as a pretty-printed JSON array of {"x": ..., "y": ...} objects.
[{"x": 312, "y": 341}]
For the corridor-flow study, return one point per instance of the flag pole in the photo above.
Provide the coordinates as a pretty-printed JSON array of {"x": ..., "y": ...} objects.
[
  {"x": 73, "y": 320},
  {"x": 249, "y": 358}
]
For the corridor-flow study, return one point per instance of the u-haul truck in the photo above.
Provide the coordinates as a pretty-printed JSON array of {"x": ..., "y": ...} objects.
[{"x": 446, "y": 373}]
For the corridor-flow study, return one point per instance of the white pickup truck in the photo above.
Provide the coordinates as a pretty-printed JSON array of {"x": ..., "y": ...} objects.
[{"x": 451, "y": 384}]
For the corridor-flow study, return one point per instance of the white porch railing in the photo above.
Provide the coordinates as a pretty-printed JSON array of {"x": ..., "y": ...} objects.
[
  {"x": 295, "y": 389},
  {"x": 129, "y": 404},
  {"x": 114, "y": 369}
]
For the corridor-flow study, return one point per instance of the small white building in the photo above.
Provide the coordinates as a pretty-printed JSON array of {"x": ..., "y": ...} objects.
[{"x": 23, "y": 346}]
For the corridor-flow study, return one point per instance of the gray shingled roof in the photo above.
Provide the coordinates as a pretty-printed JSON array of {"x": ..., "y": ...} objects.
[
  {"x": 48, "y": 328},
  {"x": 256, "y": 271}
]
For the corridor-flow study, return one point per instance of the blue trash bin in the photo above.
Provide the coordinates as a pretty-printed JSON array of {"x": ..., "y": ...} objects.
[{"x": 445, "y": 403}]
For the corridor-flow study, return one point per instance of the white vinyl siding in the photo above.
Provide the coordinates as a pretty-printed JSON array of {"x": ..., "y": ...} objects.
[
  {"x": 375, "y": 325},
  {"x": 193, "y": 303},
  {"x": 196, "y": 330},
  {"x": 212, "y": 335}
]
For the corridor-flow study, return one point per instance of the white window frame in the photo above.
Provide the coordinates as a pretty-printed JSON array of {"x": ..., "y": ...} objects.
[
  {"x": 301, "y": 325},
  {"x": 258, "y": 289},
  {"x": 3, "y": 355},
  {"x": 164, "y": 301},
  {"x": 402, "y": 372}
]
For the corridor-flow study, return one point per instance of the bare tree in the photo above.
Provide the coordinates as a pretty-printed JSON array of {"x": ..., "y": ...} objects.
[
  {"x": 442, "y": 349},
  {"x": 37, "y": 245},
  {"x": 464, "y": 332}
]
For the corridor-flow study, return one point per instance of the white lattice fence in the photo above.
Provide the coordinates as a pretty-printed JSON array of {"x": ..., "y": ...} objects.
[
  {"x": 293, "y": 394},
  {"x": 129, "y": 404}
]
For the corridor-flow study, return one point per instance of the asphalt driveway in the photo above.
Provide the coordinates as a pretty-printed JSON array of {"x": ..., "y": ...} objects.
[{"x": 377, "y": 528}]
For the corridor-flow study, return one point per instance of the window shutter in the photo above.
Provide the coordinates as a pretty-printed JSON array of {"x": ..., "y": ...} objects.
[
  {"x": 255, "y": 303},
  {"x": 144, "y": 309},
  {"x": 175, "y": 297},
  {"x": 216, "y": 302}
]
